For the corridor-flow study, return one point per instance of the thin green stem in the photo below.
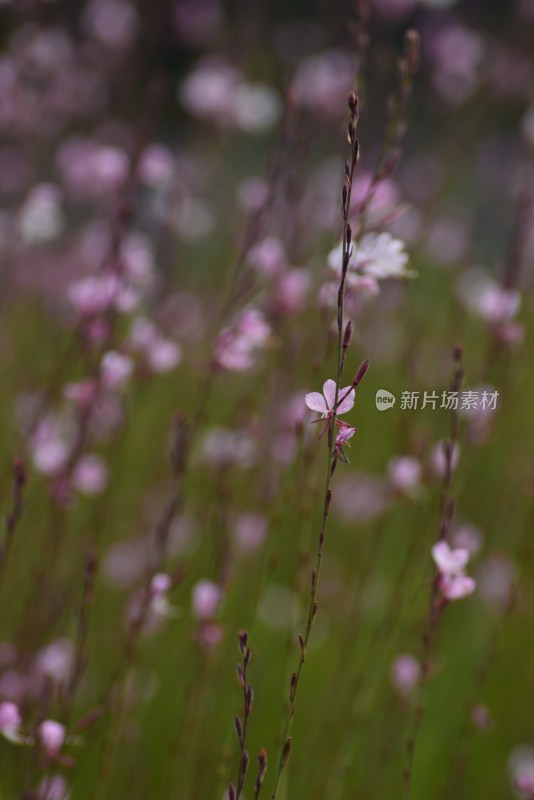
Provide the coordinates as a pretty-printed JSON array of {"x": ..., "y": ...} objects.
[{"x": 285, "y": 748}]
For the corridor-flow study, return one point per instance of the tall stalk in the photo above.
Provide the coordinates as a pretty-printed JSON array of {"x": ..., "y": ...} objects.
[{"x": 332, "y": 455}]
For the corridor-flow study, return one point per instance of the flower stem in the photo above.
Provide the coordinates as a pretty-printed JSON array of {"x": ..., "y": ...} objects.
[{"x": 350, "y": 168}]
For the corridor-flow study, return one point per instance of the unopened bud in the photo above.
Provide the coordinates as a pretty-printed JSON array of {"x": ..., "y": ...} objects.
[
  {"x": 347, "y": 336},
  {"x": 352, "y": 102},
  {"x": 364, "y": 366},
  {"x": 287, "y": 751},
  {"x": 238, "y": 728}
]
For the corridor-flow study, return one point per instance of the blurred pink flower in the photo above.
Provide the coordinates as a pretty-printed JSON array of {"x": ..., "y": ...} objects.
[
  {"x": 116, "y": 369},
  {"x": 222, "y": 448},
  {"x": 454, "y": 587},
  {"x": 114, "y": 23},
  {"x": 160, "y": 586},
  {"x": 468, "y": 537},
  {"x": 496, "y": 577},
  {"x": 82, "y": 393},
  {"x": 50, "y": 455},
  {"x": 52, "y": 736},
  {"x": 209, "y": 635},
  {"x": 252, "y": 194},
  {"x": 10, "y": 720},
  {"x": 94, "y": 294},
  {"x": 322, "y": 81},
  {"x": 267, "y": 256},
  {"x": 90, "y": 474},
  {"x": 405, "y": 673},
  {"x": 404, "y": 473},
  {"x": 163, "y": 355},
  {"x": 55, "y": 661},
  {"x": 206, "y": 599},
  {"x": 449, "y": 562},
  {"x": 291, "y": 290},
  {"x": 487, "y": 298},
  {"x": 236, "y": 347},
  {"x": 250, "y": 530},
  {"x": 453, "y": 582},
  {"x": 156, "y": 165},
  {"x": 361, "y": 498},
  {"x": 53, "y": 787},
  {"x": 521, "y": 767}
]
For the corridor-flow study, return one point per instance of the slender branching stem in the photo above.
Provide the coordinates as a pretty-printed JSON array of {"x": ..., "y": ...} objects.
[
  {"x": 331, "y": 462},
  {"x": 436, "y": 603}
]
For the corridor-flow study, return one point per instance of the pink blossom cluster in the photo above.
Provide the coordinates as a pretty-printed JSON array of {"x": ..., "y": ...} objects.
[
  {"x": 237, "y": 347},
  {"x": 453, "y": 583}
]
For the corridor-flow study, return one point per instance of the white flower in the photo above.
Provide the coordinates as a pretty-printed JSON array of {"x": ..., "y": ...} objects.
[{"x": 377, "y": 255}]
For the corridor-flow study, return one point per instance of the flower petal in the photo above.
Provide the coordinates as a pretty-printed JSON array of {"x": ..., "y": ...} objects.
[
  {"x": 449, "y": 562},
  {"x": 346, "y": 401},
  {"x": 316, "y": 402},
  {"x": 329, "y": 391},
  {"x": 457, "y": 586}
]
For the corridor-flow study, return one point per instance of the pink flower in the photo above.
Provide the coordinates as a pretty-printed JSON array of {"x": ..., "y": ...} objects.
[
  {"x": 115, "y": 369},
  {"x": 250, "y": 531},
  {"x": 160, "y": 584},
  {"x": 405, "y": 673},
  {"x": 236, "y": 347},
  {"x": 453, "y": 582},
  {"x": 50, "y": 456},
  {"x": 267, "y": 256},
  {"x": 157, "y": 165},
  {"x": 53, "y": 788},
  {"x": 253, "y": 327},
  {"x": 404, "y": 473},
  {"x": 290, "y": 294},
  {"x": 467, "y": 536},
  {"x": 163, "y": 355},
  {"x": 82, "y": 393},
  {"x": 209, "y": 635},
  {"x": 94, "y": 294},
  {"x": 521, "y": 766},
  {"x": 90, "y": 475},
  {"x": 206, "y": 599},
  {"x": 344, "y": 436},
  {"x": 324, "y": 403},
  {"x": 10, "y": 720},
  {"x": 497, "y": 577},
  {"x": 54, "y": 662},
  {"x": 449, "y": 562},
  {"x": 232, "y": 352},
  {"x": 52, "y": 736},
  {"x": 454, "y": 587}
]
